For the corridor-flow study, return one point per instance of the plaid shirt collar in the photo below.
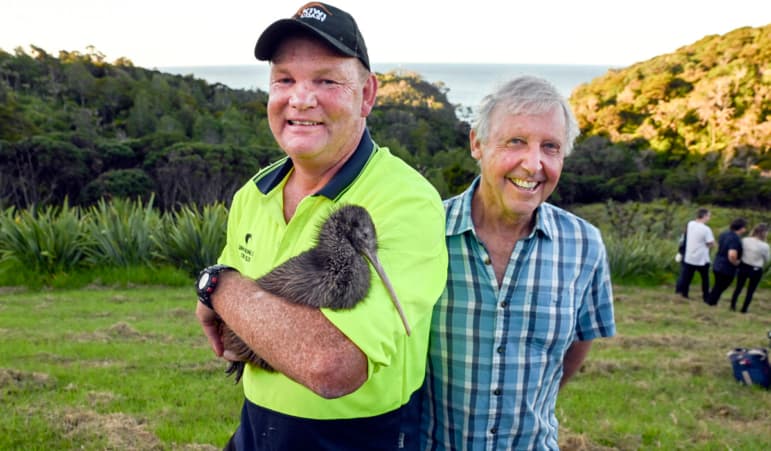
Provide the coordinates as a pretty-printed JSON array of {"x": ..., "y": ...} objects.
[{"x": 459, "y": 215}]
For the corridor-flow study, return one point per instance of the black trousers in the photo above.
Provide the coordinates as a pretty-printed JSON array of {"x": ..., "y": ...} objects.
[
  {"x": 262, "y": 429},
  {"x": 745, "y": 273},
  {"x": 686, "y": 275},
  {"x": 722, "y": 281}
]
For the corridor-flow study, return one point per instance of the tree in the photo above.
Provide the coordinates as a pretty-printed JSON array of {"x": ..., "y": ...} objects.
[
  {"x": 120, "y": 183},
  {"x": 41, "y": 170},
  {"x": 200, "y": 173}
]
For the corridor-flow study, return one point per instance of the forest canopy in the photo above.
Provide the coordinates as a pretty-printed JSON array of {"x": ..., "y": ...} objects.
[{"x": 690, "y": 126}]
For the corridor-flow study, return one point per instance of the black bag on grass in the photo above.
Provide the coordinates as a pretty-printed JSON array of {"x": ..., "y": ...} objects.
[{"x": 750, "y": 366}]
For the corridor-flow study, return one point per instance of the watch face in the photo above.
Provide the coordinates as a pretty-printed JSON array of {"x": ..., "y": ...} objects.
[{"x": 204, "y": 280}]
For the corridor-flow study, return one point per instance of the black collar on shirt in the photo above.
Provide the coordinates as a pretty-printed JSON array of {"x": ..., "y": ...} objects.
[{"x": 340, "y": 181}]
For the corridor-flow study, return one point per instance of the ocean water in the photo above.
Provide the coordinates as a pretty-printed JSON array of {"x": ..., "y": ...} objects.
[{"x": 466, "y": 84}]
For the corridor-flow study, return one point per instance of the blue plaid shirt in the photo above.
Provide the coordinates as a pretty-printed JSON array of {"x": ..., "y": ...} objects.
[{"x": 495, "y": 357}]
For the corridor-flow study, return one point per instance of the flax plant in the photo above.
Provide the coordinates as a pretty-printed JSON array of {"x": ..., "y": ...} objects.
[
  {"x": 191, "y": 238},
  {"x": 121, "y": 231},
  {"x": 45, "y": 240},
  {"x": 640, "y": 256}
]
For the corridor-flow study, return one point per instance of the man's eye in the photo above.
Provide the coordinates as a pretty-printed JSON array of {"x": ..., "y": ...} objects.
[{"x": 282, "y": 81}]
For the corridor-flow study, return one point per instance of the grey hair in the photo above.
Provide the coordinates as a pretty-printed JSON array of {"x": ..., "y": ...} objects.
[{"x": 526, "y": 95}]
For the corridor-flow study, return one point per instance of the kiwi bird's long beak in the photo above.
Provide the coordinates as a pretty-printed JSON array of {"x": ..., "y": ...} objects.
[{"x": 372, "y": 257}]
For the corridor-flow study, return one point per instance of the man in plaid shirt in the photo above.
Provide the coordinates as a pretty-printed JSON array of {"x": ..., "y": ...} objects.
[{"x": 528, "y": 284}]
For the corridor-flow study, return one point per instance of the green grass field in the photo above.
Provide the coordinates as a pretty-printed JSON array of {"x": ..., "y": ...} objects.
[{"x": 129, "y": 368}]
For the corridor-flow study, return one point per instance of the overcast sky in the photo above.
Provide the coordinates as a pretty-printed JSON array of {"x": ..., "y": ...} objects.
[{"x": 158, "y": 33}]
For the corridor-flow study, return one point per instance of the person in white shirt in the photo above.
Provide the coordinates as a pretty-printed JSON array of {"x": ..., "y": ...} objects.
[
  {"x": 698, "y": 241},
  {"x": 755, "y": 256}
]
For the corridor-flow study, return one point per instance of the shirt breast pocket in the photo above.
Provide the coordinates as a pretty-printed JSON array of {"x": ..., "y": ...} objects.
[{"x": 551, "y": 322}]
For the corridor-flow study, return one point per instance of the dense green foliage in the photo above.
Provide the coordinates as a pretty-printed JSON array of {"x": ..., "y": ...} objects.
[
  {"x": 39, "y": 245},
  {"x": 74, "y": 246},
  {"x": 689, "y": 125},
  {"x": 80, "y": 128}
]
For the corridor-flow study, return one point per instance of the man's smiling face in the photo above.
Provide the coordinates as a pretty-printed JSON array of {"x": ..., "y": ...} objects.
[{"x": 521, "y": 161}]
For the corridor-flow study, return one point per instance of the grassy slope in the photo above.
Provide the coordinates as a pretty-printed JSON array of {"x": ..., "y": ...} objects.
[
  {"x": 130, "y": 369},
  {"x": 664, "y": 381}
]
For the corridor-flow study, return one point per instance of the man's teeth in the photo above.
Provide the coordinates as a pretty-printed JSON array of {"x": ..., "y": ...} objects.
[
  {"x": 524, "y": 183},
  {"x": 303, "y": 123}
]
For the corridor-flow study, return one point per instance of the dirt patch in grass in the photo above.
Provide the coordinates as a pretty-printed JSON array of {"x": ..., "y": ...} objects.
[
  {"x": 683, "y": 342},
  {"x": 123, "y": 330},
  {"x": 608, "y": 367},
  {"x": 182, "y": 312},
  {"x": 118, "y": 299},
  {"x": 732, "y": 418},
  {"x": 196, "y": 447},
  {"x": 12, "y": 289},
  {"x": 118, "y": 331},
  {"x": 118, "y": 430},
  {"x": 569, "y": 441},
  {"x": 100, "y": 398},
  {"x": 14, "y": 380}
]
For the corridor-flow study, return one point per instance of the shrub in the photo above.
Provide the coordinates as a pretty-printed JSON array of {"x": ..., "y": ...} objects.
[
  {"x": 192, "y": 239},
  {"x": 640, "y": 257},
  {"x": 45, "y": 241},
  {"x": 120, "y": 232},
  {"x": 120, "y": 183}
]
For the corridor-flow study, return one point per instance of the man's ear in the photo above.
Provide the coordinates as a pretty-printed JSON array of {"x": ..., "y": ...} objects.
[
  {"x": 369, "y": 95},
  {"x": 475, "y": 145}
]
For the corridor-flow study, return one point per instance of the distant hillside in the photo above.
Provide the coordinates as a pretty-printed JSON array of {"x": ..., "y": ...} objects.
[
  {"x": 711, "y": 96},
  {"x": 692, "y": 125}
]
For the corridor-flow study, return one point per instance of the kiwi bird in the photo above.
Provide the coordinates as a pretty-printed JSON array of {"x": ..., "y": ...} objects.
[{"x": 333, "y": 274}]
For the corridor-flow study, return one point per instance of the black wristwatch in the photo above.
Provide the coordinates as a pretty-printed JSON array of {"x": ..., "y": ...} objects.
[{"x": 207, "y": 282}]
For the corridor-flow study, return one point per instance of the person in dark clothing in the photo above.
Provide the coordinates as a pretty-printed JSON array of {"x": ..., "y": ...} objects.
[{"x": 729, "y": 254}]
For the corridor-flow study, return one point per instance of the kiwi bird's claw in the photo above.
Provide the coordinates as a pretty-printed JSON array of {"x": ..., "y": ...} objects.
[{"x": 237, "y": 368}]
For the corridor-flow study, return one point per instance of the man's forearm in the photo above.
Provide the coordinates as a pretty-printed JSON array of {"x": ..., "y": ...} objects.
[{"x": 296, "y": 340}]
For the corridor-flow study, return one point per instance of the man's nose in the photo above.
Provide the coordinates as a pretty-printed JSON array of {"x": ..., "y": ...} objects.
[
  {"x": 302, "y": 97},
  {"x": 531, "y": 160}
]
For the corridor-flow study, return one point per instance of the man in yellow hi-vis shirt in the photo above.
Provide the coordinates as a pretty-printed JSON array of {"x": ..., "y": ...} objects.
[{"x": 345, "y": 379}]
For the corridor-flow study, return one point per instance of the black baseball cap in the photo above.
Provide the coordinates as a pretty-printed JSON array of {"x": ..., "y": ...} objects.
[{"x": 333, "y": 25}]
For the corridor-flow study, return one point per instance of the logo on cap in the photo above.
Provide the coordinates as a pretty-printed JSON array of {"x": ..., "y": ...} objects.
[{"x": 312, "y": 11}]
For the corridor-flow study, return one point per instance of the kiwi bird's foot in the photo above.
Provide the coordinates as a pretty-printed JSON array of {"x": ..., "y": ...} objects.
[{"x": 236, "y": 368}]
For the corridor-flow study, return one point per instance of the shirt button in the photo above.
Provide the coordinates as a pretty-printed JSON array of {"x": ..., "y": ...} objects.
[
  {"x": 500, "y": 349},
  {"x": 497, "y": 392},
  {"x": 504, "y": 304},
  {"x": 494, "y": 430},
  {"x": 487, "y": 260}
]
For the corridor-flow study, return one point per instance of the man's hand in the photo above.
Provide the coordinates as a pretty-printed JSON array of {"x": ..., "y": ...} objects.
[{"x": 210, "y": 322}]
